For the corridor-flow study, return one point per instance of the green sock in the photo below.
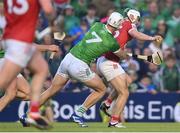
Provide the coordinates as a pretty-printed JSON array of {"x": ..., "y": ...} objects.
[{"x": 80, "y": 111}]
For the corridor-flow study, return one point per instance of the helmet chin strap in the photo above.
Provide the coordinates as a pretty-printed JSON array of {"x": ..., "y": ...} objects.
[
  {"x": 130, "y": 19},
  {"x": 134, "y": 22}
]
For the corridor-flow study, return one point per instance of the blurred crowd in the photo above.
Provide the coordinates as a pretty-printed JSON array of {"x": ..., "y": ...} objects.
[{"x": 161, "y": 17}]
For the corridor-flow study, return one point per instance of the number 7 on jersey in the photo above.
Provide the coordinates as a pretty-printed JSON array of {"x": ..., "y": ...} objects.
[{"x": 95, "y": 39}]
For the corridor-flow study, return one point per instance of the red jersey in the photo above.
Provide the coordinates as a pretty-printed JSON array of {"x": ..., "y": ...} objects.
[
  {"x": 122, "y": 36},
  {"x": 21, "y": 17}
]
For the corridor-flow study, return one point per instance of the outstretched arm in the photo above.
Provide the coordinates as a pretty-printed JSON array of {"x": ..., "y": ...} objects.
[
  {"x": 43, "y": 48},
  {"x": 141, "y": 36}
]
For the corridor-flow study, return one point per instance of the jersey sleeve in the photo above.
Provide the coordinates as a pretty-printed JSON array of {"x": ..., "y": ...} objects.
[{"x": 133, "y": 27}]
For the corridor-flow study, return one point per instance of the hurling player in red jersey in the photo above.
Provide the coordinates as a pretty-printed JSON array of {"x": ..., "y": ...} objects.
[
  {"x": 109, "y": 67},
  {"x": 19, "y": 87},
  {"x": 17, "y": 40}
]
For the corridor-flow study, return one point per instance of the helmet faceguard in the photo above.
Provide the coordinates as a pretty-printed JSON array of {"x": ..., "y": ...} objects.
[
  {"x": 115, "y": 19},
  {"x": 133, "y": 15}
]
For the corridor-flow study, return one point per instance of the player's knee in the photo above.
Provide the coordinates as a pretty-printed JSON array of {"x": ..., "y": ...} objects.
[
  {"x": 102, "y": 89},
  {"x": 125, "y": 92},
  {"x": 27, "y": 96}
]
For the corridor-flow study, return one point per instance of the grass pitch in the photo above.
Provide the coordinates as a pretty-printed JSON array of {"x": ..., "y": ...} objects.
[{"x": 96, "y": 127}]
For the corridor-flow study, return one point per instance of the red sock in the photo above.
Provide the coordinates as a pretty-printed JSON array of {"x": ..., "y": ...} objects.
[
  {"x": 34, "y": 107},
  {"x": 108, "y": 101},
  {"x": 114, "y": 119}
]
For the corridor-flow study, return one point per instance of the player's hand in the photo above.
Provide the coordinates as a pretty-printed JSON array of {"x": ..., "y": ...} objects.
[
  {"x": 53, "y": 48},
  {"x": 122, "y": 54},
  {"x": 158, "y": 40}
]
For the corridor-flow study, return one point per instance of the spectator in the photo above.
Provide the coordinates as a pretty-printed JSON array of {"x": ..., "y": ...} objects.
[
  {"x": 145, "y": 85},
  {"x": 104, "y": 19},
  {"x": 167, "y": 9},
  {"x": 130, "y": 64},
  {"x": 103, "y": 6},
  {"x": 60, "y": 5},
  {"x": 134, "y": 77},
  {"x": 77, "y": 33},
  {"x": 80, "y": 7},
  {"x": 169, "y": 75},
  {"x": 70, "y": 20},
  {"x": 123, "y": 4},
  {"x": 147, "y": 29},
  {"x": 153, "y": 13},
  {"x": 173, "y": 26},
  {"x": 91, "y": 17},
  {"x": 177, "y": 49},
  {"x": 162, "y": 30},
  {"x": 152, "y": 72},
  {"x": 147, "y": 26},
  {"x": 144, "y": 66}
]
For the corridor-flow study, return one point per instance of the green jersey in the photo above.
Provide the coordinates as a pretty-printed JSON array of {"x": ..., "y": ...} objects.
[
  {"x": 97, "y": 41},
  {"x": 2, "y": 53}
]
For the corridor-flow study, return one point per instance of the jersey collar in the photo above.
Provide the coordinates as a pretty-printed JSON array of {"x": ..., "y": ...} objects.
[{"x": 108, "y": 29}]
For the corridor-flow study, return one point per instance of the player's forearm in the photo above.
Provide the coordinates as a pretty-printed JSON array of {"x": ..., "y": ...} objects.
[
  {"x": 141, "y": 36},
  {"x": 42, "y": 48}
]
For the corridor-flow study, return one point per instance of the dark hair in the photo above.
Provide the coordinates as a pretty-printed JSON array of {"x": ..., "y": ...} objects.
[
  {"x": 91, "y": 7},
  {"x": 166, "y": 29},
  {"x": 170, "y": 57}
]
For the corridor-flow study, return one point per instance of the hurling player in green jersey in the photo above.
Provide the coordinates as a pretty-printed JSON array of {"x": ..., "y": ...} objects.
[{"x": 96, "y": 42}]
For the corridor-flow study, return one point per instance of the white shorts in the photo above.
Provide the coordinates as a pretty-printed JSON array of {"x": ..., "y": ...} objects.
[
  {"x": 72, "y": 67},
  {"x": 108, "y": 69},
  {"x": 18, "y": 52},
  {"x": 1, "y": 64}
]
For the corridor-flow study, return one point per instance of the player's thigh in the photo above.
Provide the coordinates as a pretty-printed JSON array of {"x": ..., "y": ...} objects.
[
  {"x": 38, "y": 63},
  {"x": 109, "y": 69},
  {"x": 8, "y": 72},
  {"x": 96, "y": 83},
  {"x": 11, "y": 90},
  {"x": 119, "y": 83},
  {"x": 64, "y": 66},
  {"x": 23, "y": 85}
]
